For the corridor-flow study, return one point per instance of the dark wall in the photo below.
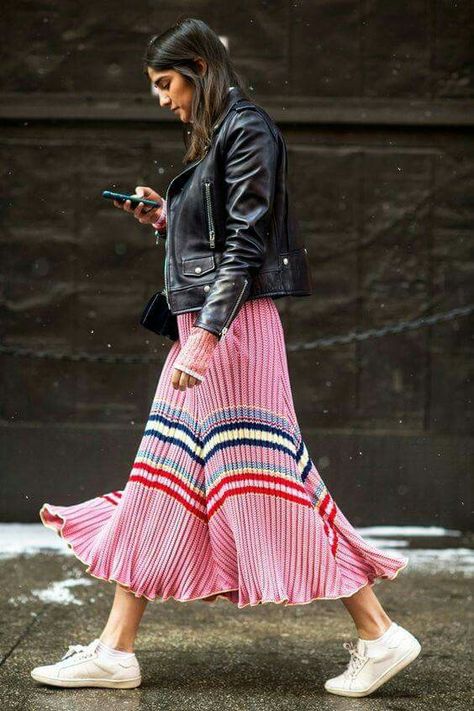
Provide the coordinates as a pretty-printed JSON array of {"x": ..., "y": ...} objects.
[{"x": 376, "y": 102}]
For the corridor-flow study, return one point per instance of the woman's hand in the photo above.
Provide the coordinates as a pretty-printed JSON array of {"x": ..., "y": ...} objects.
[
  {"x": 181, "y": 380},
  {"x": 144, "y": 214},
  {"x": 194, "y": 358}
]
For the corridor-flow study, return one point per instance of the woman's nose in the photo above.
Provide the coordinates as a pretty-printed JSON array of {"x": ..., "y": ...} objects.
[{"x": 164, "y": 100}]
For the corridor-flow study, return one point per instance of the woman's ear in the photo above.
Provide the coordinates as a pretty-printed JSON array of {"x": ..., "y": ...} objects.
[{"x": 201, "y": 64}]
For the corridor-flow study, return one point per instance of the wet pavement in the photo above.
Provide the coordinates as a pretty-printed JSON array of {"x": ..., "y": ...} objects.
[{"x": 202, "y": 656}]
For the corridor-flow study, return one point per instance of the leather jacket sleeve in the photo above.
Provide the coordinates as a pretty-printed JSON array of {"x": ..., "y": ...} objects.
[{"x": 250, "y": 154}]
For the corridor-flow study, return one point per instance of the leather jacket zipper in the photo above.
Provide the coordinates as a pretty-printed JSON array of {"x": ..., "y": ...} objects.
[
  {"x": 166, "y": 280},
  {"x": 168, "y": 215},
  {"x": 226, "y": 326},
  {"x": 210, "y": 220}
]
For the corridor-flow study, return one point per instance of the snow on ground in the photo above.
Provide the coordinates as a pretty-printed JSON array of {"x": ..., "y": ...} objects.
[
  {"x": 407, "y": 531},
  {"x": 29, "y": 538}
]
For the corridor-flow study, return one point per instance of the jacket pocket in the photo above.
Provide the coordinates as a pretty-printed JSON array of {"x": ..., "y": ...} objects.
[{"x": 196, "y": 266}]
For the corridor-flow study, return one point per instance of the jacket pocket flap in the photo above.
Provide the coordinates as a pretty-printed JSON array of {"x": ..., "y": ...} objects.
[
  {"x": 198, "y": 265},
  {"x": 295, "y": 268},
  {"x": 294, "y": 258}
]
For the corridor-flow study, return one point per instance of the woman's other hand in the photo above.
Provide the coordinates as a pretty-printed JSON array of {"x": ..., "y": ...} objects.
[{"x": 144, "y": 214}]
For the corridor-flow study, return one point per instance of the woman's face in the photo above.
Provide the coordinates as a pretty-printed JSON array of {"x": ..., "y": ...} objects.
[{"x": 174, "y": 91}]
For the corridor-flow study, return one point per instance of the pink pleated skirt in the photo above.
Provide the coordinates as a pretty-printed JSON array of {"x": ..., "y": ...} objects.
[{"x": 223, "y": 499}]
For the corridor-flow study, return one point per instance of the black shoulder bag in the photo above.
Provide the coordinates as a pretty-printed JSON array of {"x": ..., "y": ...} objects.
[{"x": 157, "y": 317}]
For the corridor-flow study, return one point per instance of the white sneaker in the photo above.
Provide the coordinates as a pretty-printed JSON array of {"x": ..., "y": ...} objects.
[
  {"x": 370, "y": 668},
  {"x": 82, "y": 666}
]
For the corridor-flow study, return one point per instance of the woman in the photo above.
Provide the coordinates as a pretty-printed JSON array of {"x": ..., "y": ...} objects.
[{"x": 223, "y": 499}]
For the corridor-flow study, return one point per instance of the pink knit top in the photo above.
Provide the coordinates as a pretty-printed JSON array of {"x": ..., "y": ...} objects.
[{"x": 196, "y": 353}]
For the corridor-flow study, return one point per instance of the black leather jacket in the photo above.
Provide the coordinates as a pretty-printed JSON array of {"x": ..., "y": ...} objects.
[{"x": 230, "y": 234}]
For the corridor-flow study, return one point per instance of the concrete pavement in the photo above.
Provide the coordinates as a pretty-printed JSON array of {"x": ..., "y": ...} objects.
[{"x": 202, "y": 656}]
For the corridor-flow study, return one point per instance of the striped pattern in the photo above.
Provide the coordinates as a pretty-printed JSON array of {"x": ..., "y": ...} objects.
[{"x": 223, "y": 499}]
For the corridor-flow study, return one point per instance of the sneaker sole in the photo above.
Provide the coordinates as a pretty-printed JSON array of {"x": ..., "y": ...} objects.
[
  {"x": 397, "y": 667},
  {"x": 107, "y": 683}
]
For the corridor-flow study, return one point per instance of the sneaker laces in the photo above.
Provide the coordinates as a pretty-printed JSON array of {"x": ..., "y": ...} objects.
[
  {"x": 87, "y": 650},
  {"x": 357, "y": 659}
]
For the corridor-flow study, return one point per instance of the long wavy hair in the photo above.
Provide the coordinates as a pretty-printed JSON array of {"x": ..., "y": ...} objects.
[{"x": 177, "y": 48}]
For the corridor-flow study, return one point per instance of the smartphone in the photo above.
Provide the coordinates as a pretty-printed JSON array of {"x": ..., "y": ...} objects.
[{"x": 134, "y": 199}]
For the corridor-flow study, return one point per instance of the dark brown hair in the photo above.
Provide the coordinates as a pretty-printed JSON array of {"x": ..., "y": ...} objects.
[{"x": 177, "y": 48}]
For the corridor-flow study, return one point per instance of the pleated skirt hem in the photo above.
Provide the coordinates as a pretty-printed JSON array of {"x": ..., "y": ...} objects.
[{"x": 54, "y": 520}]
